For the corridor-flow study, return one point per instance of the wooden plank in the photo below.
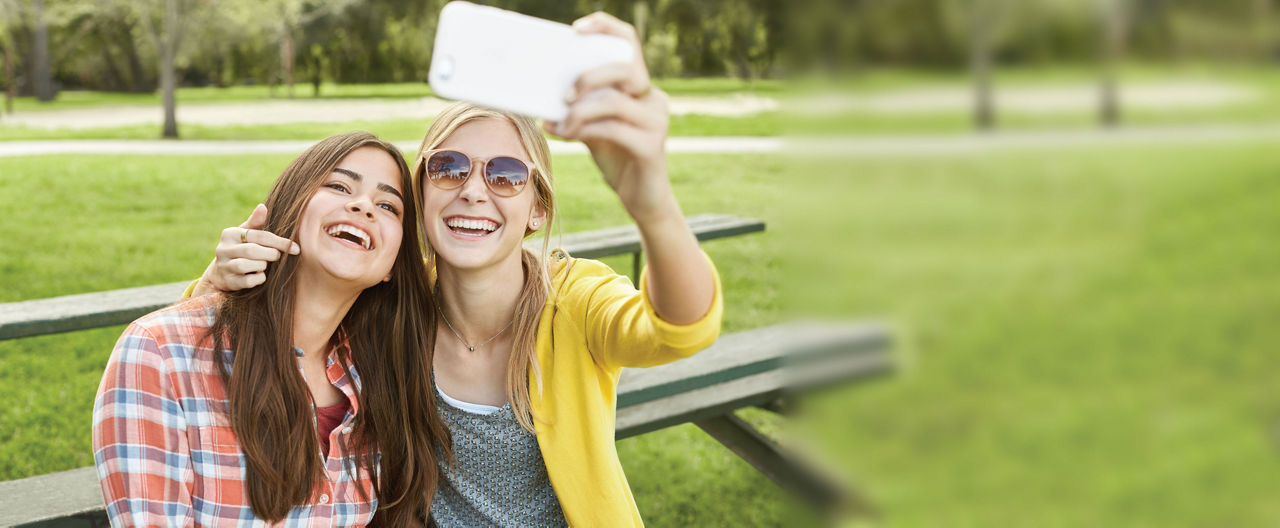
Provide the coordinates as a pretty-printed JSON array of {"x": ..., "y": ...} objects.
[
  {"x": 716, "y": 399},
  {"x": 93, "y": 310},
  {"x": 86, "y": 310},
  {"x": 621, "y": 240},
  {"x": 751, "y": 352},
  {"x": 52, "y": 496}
]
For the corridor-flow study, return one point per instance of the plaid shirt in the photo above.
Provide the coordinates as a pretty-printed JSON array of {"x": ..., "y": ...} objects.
[{"x": 165, "y": 451}]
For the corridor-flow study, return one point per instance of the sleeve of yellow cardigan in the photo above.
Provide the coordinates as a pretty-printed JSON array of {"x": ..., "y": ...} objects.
[
  {"x": 190, "y": 288},
  {"x": 622, "y": 328}
]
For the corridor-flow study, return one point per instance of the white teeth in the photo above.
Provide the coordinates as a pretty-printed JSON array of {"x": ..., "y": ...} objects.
[
  {"x": 358, "y": 233},
  {"x": 467, "y": 223}
]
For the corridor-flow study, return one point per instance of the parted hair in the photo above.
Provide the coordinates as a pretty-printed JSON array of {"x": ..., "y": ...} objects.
[
  {"x": 523, "y": 361},
  {"x": 391, "y": 332}
]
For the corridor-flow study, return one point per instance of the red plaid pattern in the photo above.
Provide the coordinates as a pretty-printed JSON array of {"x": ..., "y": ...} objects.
[{"x": 165, "y": 452}]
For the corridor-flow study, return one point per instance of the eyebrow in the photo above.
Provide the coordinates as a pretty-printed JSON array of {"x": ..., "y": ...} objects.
[{"x": 381, "y": 186}]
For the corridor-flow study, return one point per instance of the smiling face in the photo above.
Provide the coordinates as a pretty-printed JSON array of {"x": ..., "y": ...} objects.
[
  {"x": 351, "y": 228},
  {"x": 470, "y": 227}
]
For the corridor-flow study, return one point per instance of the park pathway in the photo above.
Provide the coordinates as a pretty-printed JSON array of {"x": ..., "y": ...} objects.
[
  {"x": 855, "y": 146},
  {"x": 302, "y": 110}
]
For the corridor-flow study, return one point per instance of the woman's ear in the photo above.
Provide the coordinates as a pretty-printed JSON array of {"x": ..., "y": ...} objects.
[{"x": 537, "y": 217}]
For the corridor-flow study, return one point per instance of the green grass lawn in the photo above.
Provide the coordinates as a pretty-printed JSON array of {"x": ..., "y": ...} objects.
[
  {"x": 764, "y": 124},
  {"x": 1263, "y": 107},
  {"x": 1085, "y": 337}
]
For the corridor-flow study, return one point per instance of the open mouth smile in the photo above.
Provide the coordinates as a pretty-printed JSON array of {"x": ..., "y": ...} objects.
[
  {"x": 471, "y": 227},
  {"x": 351, "y": 234}
]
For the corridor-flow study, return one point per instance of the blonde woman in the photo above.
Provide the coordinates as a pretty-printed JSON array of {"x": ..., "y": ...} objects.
[{"x": 529, "y": 346}]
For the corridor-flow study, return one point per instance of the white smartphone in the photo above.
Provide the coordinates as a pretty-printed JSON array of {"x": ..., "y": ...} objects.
[{"x": 513, "y": 62}]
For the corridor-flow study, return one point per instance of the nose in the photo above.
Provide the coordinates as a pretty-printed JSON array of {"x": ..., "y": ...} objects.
[
  {"x": 361, "y": 205},
  {"x": 474, "y": 189}
]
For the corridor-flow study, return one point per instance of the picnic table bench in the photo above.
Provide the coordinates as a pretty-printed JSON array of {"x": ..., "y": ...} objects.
[
  {"x": 92, "y": 310},
  {"x": 762, "y": 367}
]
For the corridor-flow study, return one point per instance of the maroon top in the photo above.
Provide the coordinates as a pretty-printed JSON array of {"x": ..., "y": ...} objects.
[{"x": 328, "y": 418}]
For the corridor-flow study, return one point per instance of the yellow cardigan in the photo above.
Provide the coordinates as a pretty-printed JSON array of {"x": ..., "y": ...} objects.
[{"x": 594, "y": 323}]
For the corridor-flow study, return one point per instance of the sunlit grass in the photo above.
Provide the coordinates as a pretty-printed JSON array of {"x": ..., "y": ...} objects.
[{"x": 1086, "y": 337}]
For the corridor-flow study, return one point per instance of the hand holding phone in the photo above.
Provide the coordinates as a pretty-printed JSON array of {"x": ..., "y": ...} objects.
[{"x": 513, "y": 62}]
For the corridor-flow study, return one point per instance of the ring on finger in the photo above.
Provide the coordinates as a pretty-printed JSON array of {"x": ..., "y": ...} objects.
[
  {"x": 244, "y": 236},
  {"x": 645, "y": 92}
]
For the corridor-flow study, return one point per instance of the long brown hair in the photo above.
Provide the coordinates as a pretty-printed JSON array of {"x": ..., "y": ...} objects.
[
  {"x": 522, "y": 365},
  {"x": 391, "y": 332}
]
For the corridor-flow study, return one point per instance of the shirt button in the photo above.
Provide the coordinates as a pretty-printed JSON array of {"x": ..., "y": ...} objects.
[{"x": 324, "y": 498}]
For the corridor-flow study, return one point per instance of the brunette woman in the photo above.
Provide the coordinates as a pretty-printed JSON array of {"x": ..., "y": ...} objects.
[{"x": 303, "y": 402}]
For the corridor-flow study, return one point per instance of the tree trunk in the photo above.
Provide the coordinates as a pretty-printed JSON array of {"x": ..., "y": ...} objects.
[
  {"x": 1112, "y": 41},
  {"x": 286, "y": 61},
  {"x": 984, "y": 117},
  {"x": 1262, "y": 29},
  {"x": 43, "y": 79},
  {"x": 168, "y": 78},
  {"x": 9, "y": 81},
  {"x": 315, "y": 74},
  {"x": 640, "y": 14}
]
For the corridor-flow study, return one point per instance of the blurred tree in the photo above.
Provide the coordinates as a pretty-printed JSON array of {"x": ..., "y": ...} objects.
[
  {"x": 166, "y": 23},
  {"x": 982, "y": 15},
  {"x": 9, "y": 84},
  {"x": 382, "y": 41},
  {"x": 96, "y": 46},
  {"x": 745, "y": 46},
  {"x": 39, "y": 65},
  {"x": 1112, "y": 16},
  {"x": 8, "y": 10},
  {"x": 1262, "y": 29},
  {"x": 287, "y": 19}
]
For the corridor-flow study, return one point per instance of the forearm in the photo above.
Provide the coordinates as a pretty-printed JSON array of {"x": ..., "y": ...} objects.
[{"x": 679, "y": 278}]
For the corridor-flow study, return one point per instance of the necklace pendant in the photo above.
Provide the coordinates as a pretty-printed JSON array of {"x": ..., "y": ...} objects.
[{"x": 471, "y": 349}]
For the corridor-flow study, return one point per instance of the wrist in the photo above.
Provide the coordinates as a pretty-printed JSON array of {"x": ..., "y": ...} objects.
[
  {"x": 657, "y": 213},
  {"x": 207, "y": 283},
  {"x": 652, "y": 202}
]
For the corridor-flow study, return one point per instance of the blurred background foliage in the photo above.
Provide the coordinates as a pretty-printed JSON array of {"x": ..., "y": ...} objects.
[{"x": 114, "y": 44}]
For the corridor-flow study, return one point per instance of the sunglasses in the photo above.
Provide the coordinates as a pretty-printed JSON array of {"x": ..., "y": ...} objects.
[{"x": 449, "y": 169}]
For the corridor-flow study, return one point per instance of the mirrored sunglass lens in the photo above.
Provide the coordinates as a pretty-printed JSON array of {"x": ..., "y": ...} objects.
[
  {"x": 448, "y": 169},
  {"x": 506, "y": 176}
]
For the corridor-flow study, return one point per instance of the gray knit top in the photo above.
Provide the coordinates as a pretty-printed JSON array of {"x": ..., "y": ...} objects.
[{"x": 498, "y": 477}]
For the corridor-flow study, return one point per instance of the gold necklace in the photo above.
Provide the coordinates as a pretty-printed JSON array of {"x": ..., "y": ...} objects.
[{"x": 470, "y": 348}]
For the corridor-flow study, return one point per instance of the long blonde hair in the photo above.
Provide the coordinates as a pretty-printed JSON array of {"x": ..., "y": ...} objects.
[{"x": 523, "y": 360}]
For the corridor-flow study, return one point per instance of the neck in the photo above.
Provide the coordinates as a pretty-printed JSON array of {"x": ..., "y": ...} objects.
[
  {"x": 317, "y": 312},
  {"x": 480, "y": 302}
]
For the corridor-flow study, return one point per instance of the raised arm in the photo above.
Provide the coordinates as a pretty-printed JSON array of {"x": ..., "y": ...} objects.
[
  {"x": 140, "y": 438},
  {"x": 622, "y": 119},
  {"x": 240, "y": 260}
]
